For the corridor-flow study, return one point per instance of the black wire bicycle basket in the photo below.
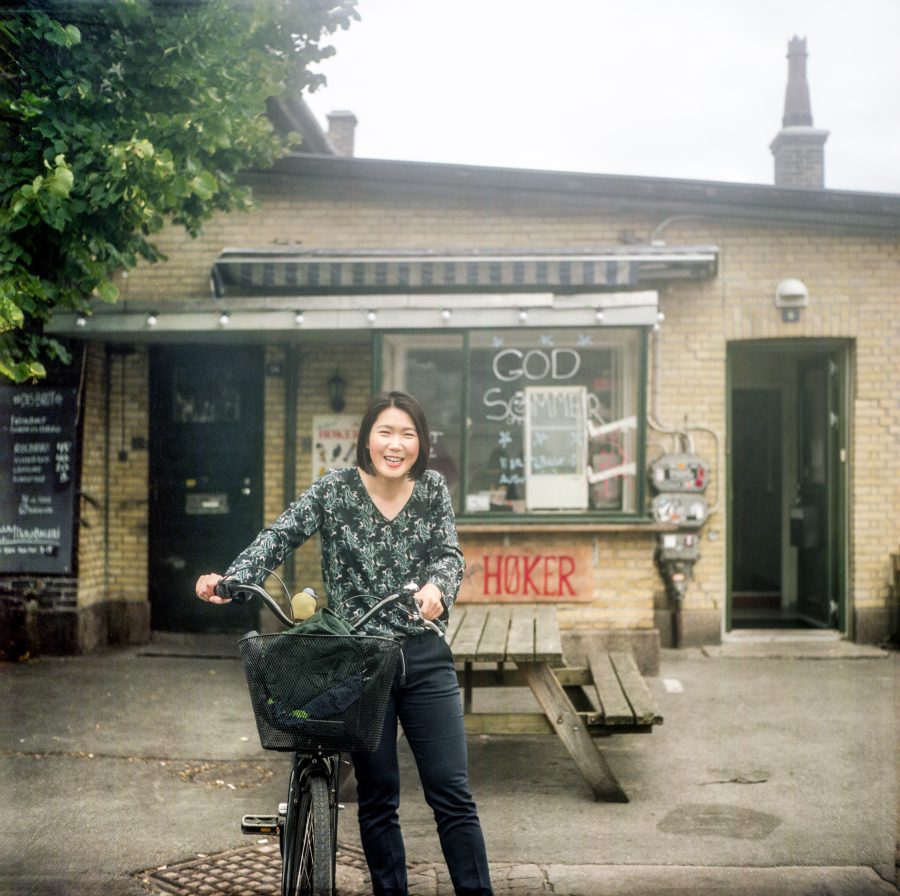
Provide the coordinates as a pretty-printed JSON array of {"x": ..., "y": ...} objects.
[{"x": 319, "y": 692}]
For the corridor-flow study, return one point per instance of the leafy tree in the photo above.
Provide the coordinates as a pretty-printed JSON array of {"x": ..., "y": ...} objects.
[{"x": 117, "y": 116}]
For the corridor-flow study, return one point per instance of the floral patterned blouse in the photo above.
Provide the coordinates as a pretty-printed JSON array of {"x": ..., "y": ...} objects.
[{"x": 363, "y": 553}]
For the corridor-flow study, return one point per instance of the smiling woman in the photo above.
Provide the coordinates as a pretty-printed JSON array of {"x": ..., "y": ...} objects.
[
  {"x": 392, "y": 449},
  {"x": 393, "y": 444},
  {"x": 383, "y": 524}
]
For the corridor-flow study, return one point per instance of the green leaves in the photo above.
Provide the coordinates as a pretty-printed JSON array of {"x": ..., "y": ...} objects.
[
  {"x": 107, "y": 291},
  {"x": 118, "y": 117},
  {"x": 54, "y": 33},
  {"x": 204, "y": 185},
  {"x": 40, "y": 199},
  {"x": 60, "y": 182}
]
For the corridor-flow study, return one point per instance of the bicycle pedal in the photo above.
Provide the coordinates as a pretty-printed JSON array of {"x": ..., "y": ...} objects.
[{"x": 260, "y": 824}]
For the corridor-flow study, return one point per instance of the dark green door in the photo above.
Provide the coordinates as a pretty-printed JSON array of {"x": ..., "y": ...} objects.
[
  {"x": 814, "y": 518},
  {"x": 756, "y": 496},
  {"x": 206, "y": 416}
]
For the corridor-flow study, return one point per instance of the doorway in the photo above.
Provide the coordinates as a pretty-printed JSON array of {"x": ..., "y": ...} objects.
[
  {"x": 787, "y": 485},
  {"x": 206, "y": 425}
]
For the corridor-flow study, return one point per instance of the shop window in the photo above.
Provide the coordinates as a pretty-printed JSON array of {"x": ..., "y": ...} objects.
[{"x": 527, "y": 421}]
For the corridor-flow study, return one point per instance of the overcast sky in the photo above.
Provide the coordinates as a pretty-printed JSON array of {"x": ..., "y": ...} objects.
[{"x": 664, "y": 88}]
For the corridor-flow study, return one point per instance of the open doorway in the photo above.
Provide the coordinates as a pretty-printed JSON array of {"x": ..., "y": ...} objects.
[{"x": 787, "y": 484}]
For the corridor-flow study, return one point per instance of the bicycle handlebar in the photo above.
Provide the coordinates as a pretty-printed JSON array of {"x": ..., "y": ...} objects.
[
  {"x": 240, "y": 592},
  {"x": 405, "y": 598}
]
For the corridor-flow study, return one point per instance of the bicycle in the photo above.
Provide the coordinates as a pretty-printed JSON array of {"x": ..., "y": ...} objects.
[{"x": 337, "y": 706}]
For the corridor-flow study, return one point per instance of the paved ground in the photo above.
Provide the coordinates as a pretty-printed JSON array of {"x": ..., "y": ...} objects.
[{"x": 775, "y": 773}]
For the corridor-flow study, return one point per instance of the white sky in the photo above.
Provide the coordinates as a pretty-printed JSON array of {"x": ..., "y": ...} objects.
[{"x": 663, "y": 88}]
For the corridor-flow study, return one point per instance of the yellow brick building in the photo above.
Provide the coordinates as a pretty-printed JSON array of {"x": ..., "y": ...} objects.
[{"x": 375, "y": 270}]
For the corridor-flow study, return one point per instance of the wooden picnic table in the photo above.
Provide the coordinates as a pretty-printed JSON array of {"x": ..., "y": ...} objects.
[{"x": 486, "y": 637}]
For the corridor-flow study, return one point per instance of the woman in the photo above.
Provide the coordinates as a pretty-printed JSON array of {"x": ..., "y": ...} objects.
[{"x": 383, "y": 524}]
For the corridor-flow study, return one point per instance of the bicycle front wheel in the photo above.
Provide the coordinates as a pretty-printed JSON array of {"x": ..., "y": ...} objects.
[{"x": 309, "y": 858}]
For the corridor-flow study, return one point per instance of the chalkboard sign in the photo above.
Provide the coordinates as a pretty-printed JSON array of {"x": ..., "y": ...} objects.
[
  {"x": 555, "y": 447},
  {"x": 37, "y": 479}
]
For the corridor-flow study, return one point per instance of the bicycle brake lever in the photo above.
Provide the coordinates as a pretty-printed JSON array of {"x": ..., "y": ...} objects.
[
  {"x": 237, "y": 596},
  {"x": 409, "y": 591},
  {"x": 431, "y": 626}
]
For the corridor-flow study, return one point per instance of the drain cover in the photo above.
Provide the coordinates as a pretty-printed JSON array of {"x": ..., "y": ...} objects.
[
  {"x": 256, "y": 871},
  {"x": 246, "y": 871}
]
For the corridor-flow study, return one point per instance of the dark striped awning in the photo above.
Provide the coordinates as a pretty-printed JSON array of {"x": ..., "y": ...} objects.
[{"x": 280, "y": 271}]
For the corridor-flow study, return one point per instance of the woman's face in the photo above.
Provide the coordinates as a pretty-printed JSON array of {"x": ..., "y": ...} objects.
[{"x": 393, "y": 444}]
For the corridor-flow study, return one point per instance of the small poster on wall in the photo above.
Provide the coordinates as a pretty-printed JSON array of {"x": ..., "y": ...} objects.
[
  {"x": 333, "y": 443},
  {"x": 37, "y": 479}
]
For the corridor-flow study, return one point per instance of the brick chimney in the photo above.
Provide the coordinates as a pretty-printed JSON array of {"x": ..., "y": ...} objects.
[
  {"x": 341, "y": 132},
  {"x": 799, "y": 148}
]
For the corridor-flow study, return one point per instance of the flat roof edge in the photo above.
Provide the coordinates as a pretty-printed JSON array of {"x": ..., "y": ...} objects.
[{"x": 823, "y": 206}]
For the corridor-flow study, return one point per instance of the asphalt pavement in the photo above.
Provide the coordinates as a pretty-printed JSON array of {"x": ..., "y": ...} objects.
[{"x": 775, "y": 772}]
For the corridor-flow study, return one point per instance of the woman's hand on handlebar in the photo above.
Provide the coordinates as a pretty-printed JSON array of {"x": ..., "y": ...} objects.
[
  {"x": 428, "y": 597},
  {"x": 205, "y": 589}
]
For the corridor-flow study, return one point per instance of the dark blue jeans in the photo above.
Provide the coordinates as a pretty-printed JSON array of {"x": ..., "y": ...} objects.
[{"x": 429, "y": 708}]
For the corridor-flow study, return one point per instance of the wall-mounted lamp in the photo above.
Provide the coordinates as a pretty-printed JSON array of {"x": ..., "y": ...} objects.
[
  {"x": 152, "y": 320},
  {"x": 298, "y": 318},
  {"x": 445, "y": 315},
  {"x": 337, "y": 386},
  {"x": 598, "y": 315},
  {"x": 660, "y": 318},
  {"x": 371, "y": 316},
  {"x": 791, "y": 296},
  {"x": 523, "y": 315},
  {"x": 80, "y": 321},
  {"x": 224, "y": 319}
]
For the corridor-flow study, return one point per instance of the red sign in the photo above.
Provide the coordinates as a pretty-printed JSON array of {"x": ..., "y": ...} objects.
[{"x": 529, "y": 572}]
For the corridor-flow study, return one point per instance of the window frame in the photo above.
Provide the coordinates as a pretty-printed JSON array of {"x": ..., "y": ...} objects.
[{"x": 537, "y": 518}]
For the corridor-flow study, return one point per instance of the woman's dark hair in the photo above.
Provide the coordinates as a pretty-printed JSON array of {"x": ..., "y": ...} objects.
[{"x": 403, "y": 402}]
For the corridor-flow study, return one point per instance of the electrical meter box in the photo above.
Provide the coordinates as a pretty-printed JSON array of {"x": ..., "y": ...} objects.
[
  {"x": 678, "y": 546},
  {"x": 679, "y": 473},
  {"x": 679, "y": 480},
  {"x": 686, "y": 510}
]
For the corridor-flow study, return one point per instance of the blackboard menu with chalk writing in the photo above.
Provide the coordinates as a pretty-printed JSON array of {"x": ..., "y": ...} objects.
[
  {"x": 555, "y": 447},
  {"x": 37, "y": 479},
  {"x": 556, "y": 430}
]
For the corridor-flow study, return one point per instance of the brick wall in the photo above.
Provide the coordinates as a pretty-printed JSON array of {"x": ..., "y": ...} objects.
[
  {"x": 91, "y": 557},
  {"x": 112, "y": 550},
  {"x": 128, "y": 475}
]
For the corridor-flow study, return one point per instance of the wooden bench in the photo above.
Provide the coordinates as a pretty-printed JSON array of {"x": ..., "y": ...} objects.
[{"x": 608, "y": 696}]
